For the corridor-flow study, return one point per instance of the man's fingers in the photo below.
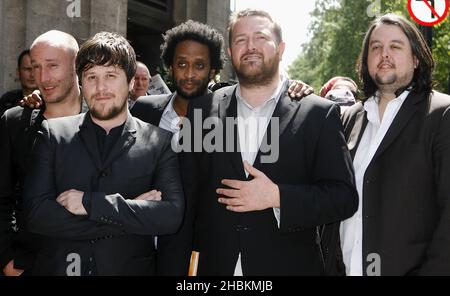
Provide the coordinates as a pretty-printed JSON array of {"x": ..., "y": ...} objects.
[
  {"x": 230, "y": 201},
  {"x": 251, "y": 170},
  {"x": 150, "y": 195},
  {"x": 228, "y": 192},
  {"x": 236, "y": 184}
]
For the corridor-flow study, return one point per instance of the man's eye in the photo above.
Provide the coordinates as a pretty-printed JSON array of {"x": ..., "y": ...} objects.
[
  {"x": 200, "y": 66},
  {"x": 181, "y": 65}
]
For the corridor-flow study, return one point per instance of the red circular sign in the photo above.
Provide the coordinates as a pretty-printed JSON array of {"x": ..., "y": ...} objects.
[{"x": 428, "y": 12}]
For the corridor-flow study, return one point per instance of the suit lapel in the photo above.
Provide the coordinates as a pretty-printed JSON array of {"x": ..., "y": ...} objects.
[
  {"x": 87, "y": 135},
  {"x": 284, "y": 112},
  {"x": 228, "y": 108},
  {"x": 403, "y": 116},
  {"x": 357, "y": 132},
  {"x": 126, "y": 140}
]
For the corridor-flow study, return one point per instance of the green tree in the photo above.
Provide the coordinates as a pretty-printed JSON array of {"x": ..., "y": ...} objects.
[{"x": 337, "y": 31}]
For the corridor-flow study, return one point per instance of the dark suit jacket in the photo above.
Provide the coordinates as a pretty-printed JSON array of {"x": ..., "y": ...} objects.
[
  {"x": 406, "y": 191},
  {"x": 18, "y": 131},
  {"x": 116, "y": 237},
  {"x": 315, "y": 177},
  {"x": 150, "y": 108}
]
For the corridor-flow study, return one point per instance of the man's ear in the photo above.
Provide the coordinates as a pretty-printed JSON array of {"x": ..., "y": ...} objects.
[
  {"x": 229, "y": 52},
  {"x": 281, "y": 48},
  {"x": 416, "y": 62},
  {"x": 131, "y": 85},
  {"x": 212, "y": 73}
]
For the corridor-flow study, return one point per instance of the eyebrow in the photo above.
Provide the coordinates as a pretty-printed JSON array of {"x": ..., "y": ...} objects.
[{"x": 392, "y": 41}]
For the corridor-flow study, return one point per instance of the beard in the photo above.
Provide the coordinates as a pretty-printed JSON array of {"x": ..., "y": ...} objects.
[
  {"x": 262, "y": 75},
  {"x": 390, "y": 79},
  {"x": 200, "y": 90},
  {"x": 111, "y": 113}
]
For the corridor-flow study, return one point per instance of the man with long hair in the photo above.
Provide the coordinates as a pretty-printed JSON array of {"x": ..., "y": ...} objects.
[{"x": 399, "y": 138}]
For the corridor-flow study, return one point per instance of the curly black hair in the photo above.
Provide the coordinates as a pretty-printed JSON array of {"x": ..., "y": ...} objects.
[{"x": 199, "y": 32}]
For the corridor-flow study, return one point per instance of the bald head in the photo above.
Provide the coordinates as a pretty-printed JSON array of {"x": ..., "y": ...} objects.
[
  {"x": 57, "y": 39},
  {"x": 53, "y": 59},
  {"x": 141, "y": 81}
]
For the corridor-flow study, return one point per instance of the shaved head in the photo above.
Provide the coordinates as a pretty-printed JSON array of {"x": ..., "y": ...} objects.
[
  {"x": 53, "y": 59},
  {"x": 57, "y": 39}
]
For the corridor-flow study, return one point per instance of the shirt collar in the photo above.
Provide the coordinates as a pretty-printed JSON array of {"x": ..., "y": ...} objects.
[
  {"x": 276, "y": 95},
  {"x": 169, "y": 108},
  {"x": 371, "y": 104}
]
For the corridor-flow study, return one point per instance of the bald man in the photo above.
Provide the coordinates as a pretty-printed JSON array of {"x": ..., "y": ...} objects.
[
  {"x": 141, "y": 82},
  {"x": 53, "y": 60}
]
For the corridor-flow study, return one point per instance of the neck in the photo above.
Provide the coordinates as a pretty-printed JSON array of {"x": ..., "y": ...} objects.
[
  {"x": 109, "y": 124},
  {"x": 180, "y": 105},
  {"x": 71, "y": 105},
  {"x": 256, "y": 95}
]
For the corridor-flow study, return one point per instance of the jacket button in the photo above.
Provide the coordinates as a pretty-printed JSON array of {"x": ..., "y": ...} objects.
[{"x": 103, "y": 174}]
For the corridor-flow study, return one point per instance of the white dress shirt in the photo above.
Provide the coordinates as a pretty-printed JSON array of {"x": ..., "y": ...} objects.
[
  {"x": 252, "y": 126},
  {"x": 351, "y": 229}
]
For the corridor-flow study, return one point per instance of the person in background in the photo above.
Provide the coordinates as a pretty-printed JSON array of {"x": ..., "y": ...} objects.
[
  {"x": 27, "y": 82},
  {"x": 341, "y": 90},
  {"x": 142, "y": 80}
]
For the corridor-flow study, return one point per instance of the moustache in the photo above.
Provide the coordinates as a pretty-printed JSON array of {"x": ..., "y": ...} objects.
[
  {"x": 251, "y": 54},
  {"x": 382, "y": 63}
]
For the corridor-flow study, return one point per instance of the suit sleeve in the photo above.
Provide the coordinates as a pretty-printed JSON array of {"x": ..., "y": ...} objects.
[
  {"x": 437, "y": 261},
  {"x": 6, "y": 195},
  {"x": 142, "y": 216},
  {"x": 332, "y": 195},
  {"x": 46, "y": 216}
]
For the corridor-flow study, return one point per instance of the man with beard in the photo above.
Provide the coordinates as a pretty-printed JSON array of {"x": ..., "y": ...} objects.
[
  {"x": 193, "y": 53},
  {"x": 53, "y": 60},
  {"x": 253, "y": 215},
  {"x": 90, "y": 188},
  {"x": 399, "y": 138}
]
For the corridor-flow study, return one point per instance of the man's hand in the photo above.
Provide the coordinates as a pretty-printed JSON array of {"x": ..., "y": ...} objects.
[
  {"x": 298, "y": 89},
  {"x": 72, "y": 201},
  {"x": 33, "y": 100},
  {"x": 150, "y": 195},
  {"x": 255, "y": 195},
  {"x": 9, "y": 269}
]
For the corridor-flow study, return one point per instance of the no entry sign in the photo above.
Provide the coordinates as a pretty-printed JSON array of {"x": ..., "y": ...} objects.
[{"x": 428, "y": 12}]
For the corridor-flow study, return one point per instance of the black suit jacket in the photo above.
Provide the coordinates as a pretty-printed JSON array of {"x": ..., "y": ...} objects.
[
  {"x": 150, "y": 108},
  {"x": 315, "y": 177},
  {"x": 406, "y": 189},
  {"x": 18, "y": 131},
  {"x": 116, "y": 237}
]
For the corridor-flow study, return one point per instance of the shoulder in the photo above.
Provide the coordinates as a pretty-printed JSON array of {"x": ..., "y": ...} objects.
[
  {"x": 211, "y": 99},
  {"x": 16, "y": 113},
  {"x": 153, "y": 101},
  {"x": 64, "y": 126},
  {"x": 439, "y": 100},
  {"x": 149, "y": 131}
]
